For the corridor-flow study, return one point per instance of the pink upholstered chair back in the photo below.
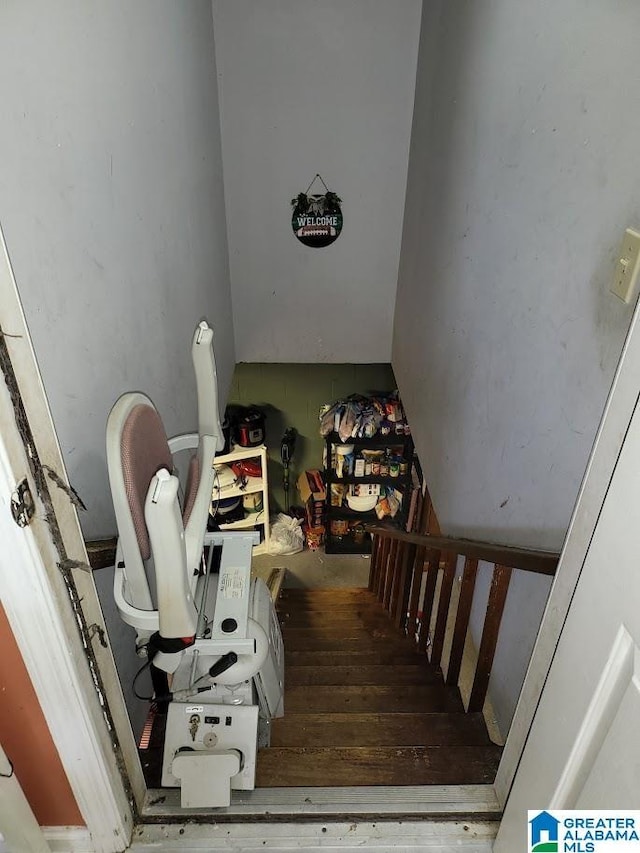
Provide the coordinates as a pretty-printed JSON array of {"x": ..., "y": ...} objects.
[{"x": 144, "y": 450}]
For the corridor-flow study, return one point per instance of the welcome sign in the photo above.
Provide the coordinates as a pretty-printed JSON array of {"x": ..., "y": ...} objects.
[{"x": 317, "y": 217}]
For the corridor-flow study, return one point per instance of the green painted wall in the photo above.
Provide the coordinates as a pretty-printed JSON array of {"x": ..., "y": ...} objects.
[{"x": 290, "y": 395}]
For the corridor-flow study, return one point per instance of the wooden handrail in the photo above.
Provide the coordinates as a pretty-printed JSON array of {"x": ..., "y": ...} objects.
[{"x": 541, "y": 562}]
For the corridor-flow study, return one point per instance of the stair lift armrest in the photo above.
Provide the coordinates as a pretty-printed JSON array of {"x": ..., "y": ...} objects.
[
  {"x": 195, "y": 531},
  {"x": 177, "y": 615},
  {"x": 204, "y": 365},
  {"x": 144, "y": 621},
  {"x": 184, "y": 441},
  {"x": 194, "y": 536},
  {"x": 197, "y": 525}
]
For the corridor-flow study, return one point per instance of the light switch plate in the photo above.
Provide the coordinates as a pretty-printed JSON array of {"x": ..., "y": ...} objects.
[{"x": 627, "y": 267}]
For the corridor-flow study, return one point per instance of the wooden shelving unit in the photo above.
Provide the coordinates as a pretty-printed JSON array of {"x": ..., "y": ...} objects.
[
  {"x": 348, "y": 544},
  {"x": 249, "y": 485}
]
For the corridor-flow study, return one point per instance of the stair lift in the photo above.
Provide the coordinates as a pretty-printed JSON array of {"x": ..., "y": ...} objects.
[{"x": 210, "y": 633}]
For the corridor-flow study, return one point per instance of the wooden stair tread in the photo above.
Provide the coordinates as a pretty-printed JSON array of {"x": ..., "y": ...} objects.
[
  {"x": 419, "y": 673},
  {"x": 298, "y": 611},
  {"x": 322, "y": 599},
  {"x": 347, "y": 644},
  {"x": 351, "y": 657},
  {"x": 340, "y": 628},
  {"x": 340, "y": 592},
  {"x": 418, "y": 729},
  {"x": 347, "y": 632},
  {"x": 395, "y": 765},
  {"x": 363, "y": 706},
  {"x": 309, "y": 618},
  {"x": 302, "y": 606},
  {"x": 360, "y": 699}
]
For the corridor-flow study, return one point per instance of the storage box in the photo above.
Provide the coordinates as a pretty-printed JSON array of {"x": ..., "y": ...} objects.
[
  {"x": 311, "y": 486},
  {"x": 313, "y": 495}
]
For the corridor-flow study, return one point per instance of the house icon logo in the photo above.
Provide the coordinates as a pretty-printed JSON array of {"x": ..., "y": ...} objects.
[{"x": 543, "y": 833}]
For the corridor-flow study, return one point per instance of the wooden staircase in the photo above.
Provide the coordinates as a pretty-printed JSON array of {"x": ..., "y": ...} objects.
[
  {"x": 363, "y": 706},
  {"x": 366, "y": 700}
]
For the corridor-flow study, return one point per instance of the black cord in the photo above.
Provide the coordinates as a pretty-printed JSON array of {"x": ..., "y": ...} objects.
[
  {"x": 8, "y": 775},
  {"x": 135, "y": 679}
]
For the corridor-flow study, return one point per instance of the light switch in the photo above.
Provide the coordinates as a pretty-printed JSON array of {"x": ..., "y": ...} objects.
[{"x": 628, "y": 266}]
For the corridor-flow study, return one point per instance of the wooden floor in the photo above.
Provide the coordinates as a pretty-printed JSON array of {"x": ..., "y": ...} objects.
[{"x": 362, "y": 707}]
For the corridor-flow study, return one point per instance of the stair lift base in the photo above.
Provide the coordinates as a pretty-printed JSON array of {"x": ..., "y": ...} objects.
[
  {"x": 203, "y": 729},
  {"x": 198, "y": 742}
]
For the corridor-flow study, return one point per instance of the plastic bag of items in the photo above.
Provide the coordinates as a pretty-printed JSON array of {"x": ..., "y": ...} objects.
[
  {"x": 354, "y": 417},
  {"x": 286, "y": 535},
  {"x": 363, "y": 417},
  {"x": 389, "y": 503}
]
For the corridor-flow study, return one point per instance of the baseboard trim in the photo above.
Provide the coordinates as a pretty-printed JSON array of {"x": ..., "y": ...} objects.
[{"x": 68, "y": 839}]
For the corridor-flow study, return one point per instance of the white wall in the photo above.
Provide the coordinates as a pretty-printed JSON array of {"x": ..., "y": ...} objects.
[
  {"x": 111, "y": 200},
  {"x": 523, "y": 175},
  {"x": 308, "y": 87}
]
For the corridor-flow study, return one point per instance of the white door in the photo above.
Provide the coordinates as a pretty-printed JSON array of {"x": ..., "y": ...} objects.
[{"x": 582, "y": 749}]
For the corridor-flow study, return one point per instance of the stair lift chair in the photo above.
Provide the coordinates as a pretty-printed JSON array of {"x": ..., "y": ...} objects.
[{"x": 210, "y": 633}]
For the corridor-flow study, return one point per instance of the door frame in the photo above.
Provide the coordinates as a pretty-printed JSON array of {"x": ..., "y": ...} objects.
[
  {"x": 614, "y": 424},
  {"x": 44, "y": 578},
  {"x": 94, "y": 737}
]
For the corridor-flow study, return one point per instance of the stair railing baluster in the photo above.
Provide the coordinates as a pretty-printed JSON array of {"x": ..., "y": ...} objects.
[
  {"x": 397, "y": 573},
  {"x": 462, "y": 620},
  {"x": 414, "y": 595},
  {"x": 433, "y": 566},
  {"x": 444, "y": 602},
  {"x": 391, "y": 574},
  {"x": 404, "y": 585},
  {"x": 404, "y": 578},
  {"x": 489, "y": 641},
  {"x": 384, "y": 566},
  {"x": 374, "y": 565}
]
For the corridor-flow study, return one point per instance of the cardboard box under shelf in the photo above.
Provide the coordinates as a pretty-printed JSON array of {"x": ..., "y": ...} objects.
[
  {"x": 313, "y": 495},
  {"x": 311, "y": 485}
]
